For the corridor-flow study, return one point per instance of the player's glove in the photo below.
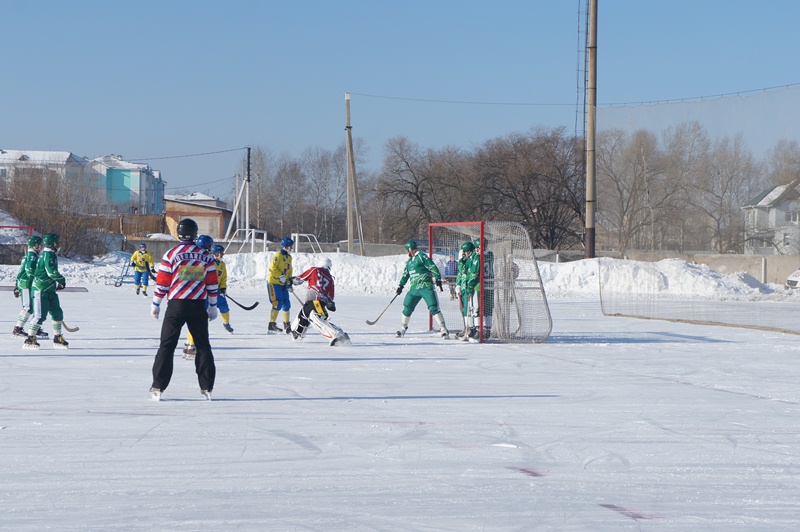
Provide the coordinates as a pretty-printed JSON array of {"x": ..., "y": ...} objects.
[
  {"x": 60, "y": 286},
  {"x": 399, "y": 290},
  {"x": 223, "y": 291},
  {"x": 212, "y": 312},
  {"x": 439, "y": 284},
  {"x": 331, "y": 306},
  {"x": 289, "y": 287},
  {"x": 297, "y": 280},
  {"x": 16, "y": 292},
  {"x": 155, "y": 309}
]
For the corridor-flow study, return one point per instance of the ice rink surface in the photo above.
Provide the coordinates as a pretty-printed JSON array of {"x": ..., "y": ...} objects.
[{"x": 611, "y": 424}]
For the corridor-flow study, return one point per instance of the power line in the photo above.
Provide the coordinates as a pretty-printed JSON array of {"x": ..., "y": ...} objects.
[
  {"x": 206, "y": 183},
  {"x": 458, "y": 102},
  {"x": 543, "y": 104},
  {"x": 144, "y": 159}
]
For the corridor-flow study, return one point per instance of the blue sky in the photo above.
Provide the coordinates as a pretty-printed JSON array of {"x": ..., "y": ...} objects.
[{"x": 152, "y": 79}]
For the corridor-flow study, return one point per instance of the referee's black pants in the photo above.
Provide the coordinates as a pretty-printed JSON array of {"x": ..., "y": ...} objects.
[{"x": 191, "y": 312}]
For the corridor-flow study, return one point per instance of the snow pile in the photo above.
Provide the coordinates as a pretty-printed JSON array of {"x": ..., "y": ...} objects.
[
  {"x": 11, "y": 235},
  {"x": 380, "y": 275}
]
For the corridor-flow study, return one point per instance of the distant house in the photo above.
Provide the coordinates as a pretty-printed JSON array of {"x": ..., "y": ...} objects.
[
  {"x": 130, "y": 188},
  {"x": 772, "y": 221},
  {"x": 62, "y": 163},
  {"x": 112, "y": 185},
  {"x": 211, "y": 214}
]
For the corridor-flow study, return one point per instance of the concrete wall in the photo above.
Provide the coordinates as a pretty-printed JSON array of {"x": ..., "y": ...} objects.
[{"x": 765, "y": 268}]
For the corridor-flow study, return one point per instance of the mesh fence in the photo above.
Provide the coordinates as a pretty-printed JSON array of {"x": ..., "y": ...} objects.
[{"x": 644, "y": 291}]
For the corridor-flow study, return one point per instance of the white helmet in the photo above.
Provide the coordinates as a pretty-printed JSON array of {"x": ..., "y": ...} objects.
[{"x": 324, "y": 263}]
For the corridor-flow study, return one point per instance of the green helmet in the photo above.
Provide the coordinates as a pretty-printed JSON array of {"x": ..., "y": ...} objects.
[
  {"x": 411, "y": 245},
  {"x": 34, "y": 241},
  {"x": 477, "y": 243},
  {"x": 467, "y": 246},
  {"x": 51, "y": 239}
]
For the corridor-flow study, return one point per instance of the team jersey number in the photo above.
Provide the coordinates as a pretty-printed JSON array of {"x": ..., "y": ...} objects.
[{"x": 322, "y": 284}]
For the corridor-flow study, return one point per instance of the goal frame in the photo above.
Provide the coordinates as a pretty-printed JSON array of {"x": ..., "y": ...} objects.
[{"x": 504, "y": 299}]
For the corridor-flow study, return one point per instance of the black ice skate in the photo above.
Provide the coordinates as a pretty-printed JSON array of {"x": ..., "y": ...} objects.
[
  {"x": 228, "y": 327},
  {"x": 30, "y": 343},
  {"x": 272, "y": 328},
  {"x": 59, "y": 342},
  {"x": 402, "y": 331},
  {"x": 19, "y": 332}
]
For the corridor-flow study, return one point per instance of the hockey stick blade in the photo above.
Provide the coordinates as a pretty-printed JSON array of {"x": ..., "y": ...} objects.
[
  {"x": 384, "y": 310},
  {"x": 251, "y": 307},
  {"x": 7, "y": 288},
  {"x": 68, "y": 328}
]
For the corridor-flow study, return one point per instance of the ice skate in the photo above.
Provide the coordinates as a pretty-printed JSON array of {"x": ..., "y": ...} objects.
[
  {"x": 30, "y": 343},
  {"x": 206, "y": 394},
  {"x": 144, "y": 292},
  {"x": 59, "y": 342},
  {"x": 155, "y": 394},
  {"x": 42, "y": 335},
  {"x": 189, "y": 351},
  {"x": 19, "y": 332},
  {"x": 137, "y": 290},
  {"x": 228, "y": 327},
  {"x": 402, "y": 331},
  {"x": 287, "y": 327},
  {"x": 272, "y": 328},
  {"x": 342, "y": 339},
  {"x": 444, "y": 333}
]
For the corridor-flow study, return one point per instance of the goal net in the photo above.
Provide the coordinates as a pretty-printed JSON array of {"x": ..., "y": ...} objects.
[{"x": 509, "y": 304}]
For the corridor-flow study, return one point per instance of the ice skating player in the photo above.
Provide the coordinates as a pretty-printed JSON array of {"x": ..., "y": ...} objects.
[
  {"x": 143, "y": 266},
  {"x": 279, "y": 284},
  {"x": 468, "y": 276},
  {"x": 421, "y": 273},
  {"x": 487, "y": 304},
  {"x": 189, "y": 349},
  {"x": 23, "y": 288},
  {"x": 222, "y": 273},
  {"x": 46, "y": 280},
  {"x": 319, "y": 302},
  {"x": 187, "y": 277},
  {"x": 450, "y": 273}
]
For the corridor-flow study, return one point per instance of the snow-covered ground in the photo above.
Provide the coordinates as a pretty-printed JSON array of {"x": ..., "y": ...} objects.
[{"x": 611, "y": 424}]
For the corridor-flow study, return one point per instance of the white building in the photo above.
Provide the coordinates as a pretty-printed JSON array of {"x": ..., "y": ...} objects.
[
  {"x": 111, "y": 184},
  {"x": 772, "y": 221}
]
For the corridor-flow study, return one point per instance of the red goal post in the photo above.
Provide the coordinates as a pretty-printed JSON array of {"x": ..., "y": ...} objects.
[{"x": 509, "y": 304}]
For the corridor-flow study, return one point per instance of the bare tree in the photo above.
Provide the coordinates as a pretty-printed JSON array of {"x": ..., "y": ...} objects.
[
  {"x": 628, "y": 168},
  {"x": 729, "y": 179},
  {"x": 783, "y": 163}
]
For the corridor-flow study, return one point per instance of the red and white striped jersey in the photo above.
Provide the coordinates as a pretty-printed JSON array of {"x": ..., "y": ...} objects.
[
  {"x": 187, "y": 271},
  {"x": 320, "y": 284}
]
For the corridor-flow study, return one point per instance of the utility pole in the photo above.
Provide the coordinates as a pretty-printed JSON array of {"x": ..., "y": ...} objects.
[
  {"x": 591, "y": 128},
  {"x": 353, "y": 210}
]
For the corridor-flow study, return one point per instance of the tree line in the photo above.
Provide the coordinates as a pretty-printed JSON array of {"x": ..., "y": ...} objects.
[{"x": 674, "y": 190}]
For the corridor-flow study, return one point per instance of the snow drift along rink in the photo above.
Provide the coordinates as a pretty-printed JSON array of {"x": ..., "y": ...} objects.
[{"x": 612, "y": 424}]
